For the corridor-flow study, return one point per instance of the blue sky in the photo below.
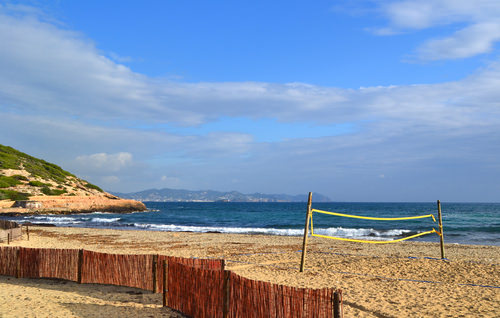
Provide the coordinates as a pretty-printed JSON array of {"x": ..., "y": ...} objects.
[{"x": 357, "y": 100}]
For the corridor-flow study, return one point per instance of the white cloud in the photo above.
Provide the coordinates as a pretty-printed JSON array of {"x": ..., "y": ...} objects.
[
  {"x": 421, "y": 14},
  {"x": 170, "y": 181},
  {"x": 104, "y": 161},
  {"x": 47, "y": 70},
  {"x": 477, "y": 23},
  {"x": 110, "y": 180},
  {"x": 470, "y": 41}
]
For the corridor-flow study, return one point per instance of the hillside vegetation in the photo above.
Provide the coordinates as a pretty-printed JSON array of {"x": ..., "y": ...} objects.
[{"x": 23, "y": 176}]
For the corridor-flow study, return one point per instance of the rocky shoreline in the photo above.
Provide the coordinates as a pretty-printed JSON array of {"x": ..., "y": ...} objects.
[{"x": 69, "y": 205}]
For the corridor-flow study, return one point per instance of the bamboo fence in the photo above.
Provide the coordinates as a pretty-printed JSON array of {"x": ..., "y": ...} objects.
[
  {"x": 195, "y": 287},
  {"x": 212, "y": 264},
  {"x": 8, "y": 261},
  {"x": 251, "y": 298},
  {"x": 6, "y": 225},
  {"x": 29, "y": 261},
  {"x": 9, "y": 231},
  {"x": 196, "y": 292},
  {"x": 117, "y": 269}
]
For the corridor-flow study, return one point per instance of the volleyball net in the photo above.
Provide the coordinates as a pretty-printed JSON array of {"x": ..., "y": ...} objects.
[
  {"x": 309, "y": 219},
  {"x": 371, "y": 218}
]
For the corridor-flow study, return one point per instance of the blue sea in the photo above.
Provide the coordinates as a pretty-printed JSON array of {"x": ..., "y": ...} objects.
[{"x": 465, "y": 223}]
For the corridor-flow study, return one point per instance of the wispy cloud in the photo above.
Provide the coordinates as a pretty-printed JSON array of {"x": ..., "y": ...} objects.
[
  {"x": 470, "y": 41},
  {"x": 104, "y": 161},
  {"x": 476, "y": 24}
]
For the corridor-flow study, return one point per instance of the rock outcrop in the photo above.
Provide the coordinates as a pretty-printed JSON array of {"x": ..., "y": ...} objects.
[{"x": 73, "y": 204}]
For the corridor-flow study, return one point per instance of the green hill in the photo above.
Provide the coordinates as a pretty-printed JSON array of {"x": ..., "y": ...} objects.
[{"x": 22, "y": 176}]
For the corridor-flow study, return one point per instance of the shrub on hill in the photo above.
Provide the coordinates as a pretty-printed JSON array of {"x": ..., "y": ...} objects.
[
  {"x": 36, "y": 183},
  {"x": 20, "y": 177},
  {"x": 49, "y": 191},
  {"x": 6, "y": 182},
  {"x": 92, "y": 186},
  {"x": 13, "y": 195}
]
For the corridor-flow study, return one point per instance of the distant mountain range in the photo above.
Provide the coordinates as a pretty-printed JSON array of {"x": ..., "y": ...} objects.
[{"x": 173, "y": 195}]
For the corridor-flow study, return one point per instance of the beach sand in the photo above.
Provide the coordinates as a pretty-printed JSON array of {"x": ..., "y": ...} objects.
[{"x": 378, "y": 280}]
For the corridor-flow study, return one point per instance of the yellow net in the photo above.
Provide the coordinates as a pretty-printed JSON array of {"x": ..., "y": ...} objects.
[{"x": 372, "y": 218}]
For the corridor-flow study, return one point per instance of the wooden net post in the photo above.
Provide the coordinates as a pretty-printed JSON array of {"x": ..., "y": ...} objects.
[
  {"x": 28, "y": 232},
  {"x": 8, "y": 238},
  {"x": 80, "y": 265},
  {"x": 441, "y": 234},
  {"x": 306, "y": 230},
  {"x": 337, "y": 304},
  {"x": 165, "y": 282},
  {"x": 225, "y": 291},
  {"x": 18, "y": 262},
  {"x": 154, "y": 273}
]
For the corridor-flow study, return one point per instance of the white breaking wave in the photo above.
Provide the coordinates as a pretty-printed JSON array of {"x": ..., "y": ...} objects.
[
  {"x": 361, "y": 233},
  {"x": 354, "y": 233},
  {"x": 61, "y": 220},
  {"x": 339, "y": 232},
  {"x": 204, "y": 229},
  {"x": 103, "y": 220}
]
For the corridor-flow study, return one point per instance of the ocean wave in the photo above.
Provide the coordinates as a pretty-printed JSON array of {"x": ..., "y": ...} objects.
[
  {"x": 56, "y": 220},
  {"x": 104, "y": 220},
  {"x": 205, "y": 229},
  {"x": 117, "y": 222},
  {"x": 339, "y": 231},
  {"x": 360, "y": 233}
]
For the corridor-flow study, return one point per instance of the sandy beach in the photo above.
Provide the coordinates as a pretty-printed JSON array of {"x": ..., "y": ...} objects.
[{"x": 378, "y": 280}]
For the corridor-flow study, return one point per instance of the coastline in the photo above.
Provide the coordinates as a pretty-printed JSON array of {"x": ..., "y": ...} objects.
[
  {"x": 384, "y": 280},
  {"x": 61, "y": 205}
]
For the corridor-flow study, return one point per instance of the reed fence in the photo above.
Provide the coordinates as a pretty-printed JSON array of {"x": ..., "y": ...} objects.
[
  {"x": 195, "y": 287},
  {"x": 8, "y": 261},
  {"x": 251, "y": 298},
  {"x": 117, "y": 269},
  {"x": 6, "y": 225},
  {"x": 211, "y": 264},
  {"x": 196, "y": 292},
  {"x": 9, "y": 231}
]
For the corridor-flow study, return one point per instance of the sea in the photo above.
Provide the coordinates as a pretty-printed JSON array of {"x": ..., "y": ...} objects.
[{"x": 463, "y": 223}]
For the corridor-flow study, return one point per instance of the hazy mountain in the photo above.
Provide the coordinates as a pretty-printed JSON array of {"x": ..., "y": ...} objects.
[{"x": 173, "y": 195}]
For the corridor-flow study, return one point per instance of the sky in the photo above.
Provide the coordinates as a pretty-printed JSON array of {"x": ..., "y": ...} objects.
[{"x": 357, "y": 100}]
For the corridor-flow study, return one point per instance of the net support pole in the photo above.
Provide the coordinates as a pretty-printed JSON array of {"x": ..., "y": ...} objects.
[
  {"x": 441, "y": 235},
  {"x": 154, "y": 274},
  {"x": 226, "y": 293},
  {"x": 79, "y": 266},
  {"x": 306, "y": 230},
  {"x": 337, "y": 304},
  {"x": 165, "y": 282}
]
